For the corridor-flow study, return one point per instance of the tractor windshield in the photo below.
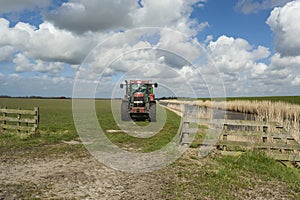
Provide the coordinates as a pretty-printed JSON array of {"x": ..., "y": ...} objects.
[{"x": 138, "y": 88}]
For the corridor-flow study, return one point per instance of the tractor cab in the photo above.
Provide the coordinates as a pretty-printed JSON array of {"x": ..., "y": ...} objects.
[{"x": 139, "y": 100}]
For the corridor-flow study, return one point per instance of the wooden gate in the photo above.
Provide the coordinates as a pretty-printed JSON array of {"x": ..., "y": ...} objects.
[{"x": 19, "y": 120}]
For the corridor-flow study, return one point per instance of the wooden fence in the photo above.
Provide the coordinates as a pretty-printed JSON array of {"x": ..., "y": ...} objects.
[
  {"x": 19, "y": 120},
  {"x": 241, "y": 135},
  {"x": 278, "y": 144}
]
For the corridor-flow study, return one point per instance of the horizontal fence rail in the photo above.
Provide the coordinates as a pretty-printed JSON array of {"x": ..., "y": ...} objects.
[{"x": 19, "y": 120}]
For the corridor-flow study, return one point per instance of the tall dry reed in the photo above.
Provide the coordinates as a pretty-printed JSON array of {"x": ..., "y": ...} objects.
[{"x": 287, "y": 114}]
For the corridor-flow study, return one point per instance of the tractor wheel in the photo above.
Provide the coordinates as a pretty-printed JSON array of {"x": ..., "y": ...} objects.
[
  {"x": 125, "y": 116},
  {"x": 152, "y": 113}
]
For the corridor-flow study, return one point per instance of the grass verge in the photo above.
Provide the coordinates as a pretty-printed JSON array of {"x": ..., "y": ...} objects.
[{"x": 252, "y": 175}]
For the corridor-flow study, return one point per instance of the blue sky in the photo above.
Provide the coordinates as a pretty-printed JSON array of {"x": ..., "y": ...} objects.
[
  {"x": 225, "y": 19},
  {"x": 253, "y": 45}
]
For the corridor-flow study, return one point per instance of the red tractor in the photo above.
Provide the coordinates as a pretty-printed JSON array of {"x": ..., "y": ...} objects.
[{"x": 139, "y": 100}]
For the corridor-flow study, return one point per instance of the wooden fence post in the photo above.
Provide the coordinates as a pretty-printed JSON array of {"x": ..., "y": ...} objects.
[
  {"x": 265, "y": 129},
  {"x": 4, "y": 121},
  {"x": 37, "y": 118},
  {"x": 19, "y": 123},
  {"x": 264, "y": 139},
  {"x": 225, "y": 127}
]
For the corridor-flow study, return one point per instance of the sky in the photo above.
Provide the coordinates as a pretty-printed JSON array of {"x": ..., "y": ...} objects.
[{"x": 195, "y": 48}]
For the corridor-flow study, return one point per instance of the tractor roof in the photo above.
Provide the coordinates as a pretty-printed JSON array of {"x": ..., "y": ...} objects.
[{"x": 139, "y": 81}]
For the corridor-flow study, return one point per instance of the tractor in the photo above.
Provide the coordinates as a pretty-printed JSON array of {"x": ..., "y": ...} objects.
[{"x": 139, "y": 100}]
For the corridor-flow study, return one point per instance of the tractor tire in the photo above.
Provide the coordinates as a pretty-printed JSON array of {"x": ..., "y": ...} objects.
[
  {"x": 152, "y": 112},
  {"x": 125, "y": 116}
]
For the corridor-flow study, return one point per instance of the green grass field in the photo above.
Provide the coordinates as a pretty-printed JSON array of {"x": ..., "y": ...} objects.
[
  {"x": 217, "y": 177},
  {"x": 56, "y": 125}
]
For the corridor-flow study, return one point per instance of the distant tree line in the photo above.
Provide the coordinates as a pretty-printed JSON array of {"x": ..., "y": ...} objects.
[{"x": 34, "y": 97}]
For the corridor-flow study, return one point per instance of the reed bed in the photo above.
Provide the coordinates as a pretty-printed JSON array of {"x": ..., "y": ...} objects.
[
  {"x": 286, "y": 114},
  {"x": 203, "y": 112}
]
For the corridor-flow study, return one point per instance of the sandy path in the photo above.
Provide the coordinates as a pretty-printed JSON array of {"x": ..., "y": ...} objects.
[{"x": 70, "y": 178}]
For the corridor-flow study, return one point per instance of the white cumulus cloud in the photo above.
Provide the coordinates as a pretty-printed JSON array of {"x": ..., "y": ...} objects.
[
  {"x": 81, "y": 16},
  {"x": 6, "y": 53},
  {"x": 284, "y": 65},
  {"x": 284, "y": 22},
  {"x": 231, "y": 55},
  {"x": 296, "y": 81},
  {"x": 92, "y": 15},
  {"x": 47, "y": 42},
  {"x": 23, "y": 64}
]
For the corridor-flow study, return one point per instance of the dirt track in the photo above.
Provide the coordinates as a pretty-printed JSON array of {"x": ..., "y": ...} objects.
[
  {"x": 63, "y": 171},
  {"x": 68, "y": 178}
]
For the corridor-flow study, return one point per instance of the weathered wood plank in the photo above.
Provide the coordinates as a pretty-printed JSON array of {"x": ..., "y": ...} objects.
[
  {"x": 243, "y": 133},
  {"x": 21, "y": 128},
  {"x": 285, "y": 157},
  {"x": 15, "y": 119},
  {"x": 15, "y": 111},
  {"x": 232, "y": 122},
  {"x": 260, "y": 145},
  {"x": 190, "y": 130},
  {"x": 247, "y": 123},
  {"x": 278, "y": 136},
  {"x": 259, "y": 135}
]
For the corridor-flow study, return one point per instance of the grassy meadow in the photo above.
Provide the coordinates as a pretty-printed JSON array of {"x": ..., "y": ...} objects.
[
  {"x": 56, "y": 125},
  {"x": 252, "y": 174}
]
